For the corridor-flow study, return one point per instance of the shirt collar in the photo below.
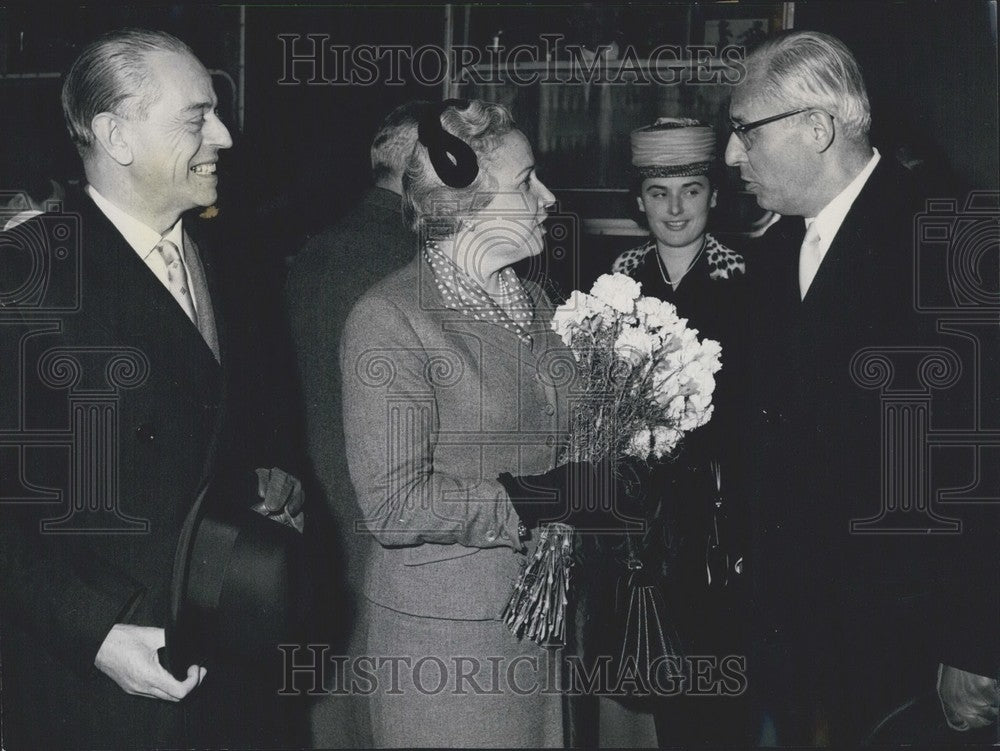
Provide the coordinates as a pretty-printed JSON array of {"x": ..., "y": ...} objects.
[
  {"x": 828, "y": 220},
  {"x": 141, "y": 237}
]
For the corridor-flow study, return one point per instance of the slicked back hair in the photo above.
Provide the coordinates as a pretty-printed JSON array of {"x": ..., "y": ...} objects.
[{"x": 112, "y": 75}]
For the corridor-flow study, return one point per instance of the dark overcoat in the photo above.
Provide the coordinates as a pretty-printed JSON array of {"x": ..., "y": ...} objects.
[
  {"x": 112, "y": 401},
  {"x": 850, "y": 613}
]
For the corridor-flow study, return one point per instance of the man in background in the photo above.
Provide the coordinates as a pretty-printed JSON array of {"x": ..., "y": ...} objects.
[{"x": 329, "y": 275}]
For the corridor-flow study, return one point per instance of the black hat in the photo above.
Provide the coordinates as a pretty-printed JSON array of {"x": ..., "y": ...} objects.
[{"x": 238, "y": 586}]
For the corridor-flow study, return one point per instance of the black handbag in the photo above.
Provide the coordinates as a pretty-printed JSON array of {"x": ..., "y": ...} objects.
[
  {"x": 623, "y": 618},
  {"x": 656, "y": 591},
  {"x": 647, "y": 659}
]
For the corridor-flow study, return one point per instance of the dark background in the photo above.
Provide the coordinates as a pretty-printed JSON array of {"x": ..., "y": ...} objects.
[{"x": 302, "y": 157}]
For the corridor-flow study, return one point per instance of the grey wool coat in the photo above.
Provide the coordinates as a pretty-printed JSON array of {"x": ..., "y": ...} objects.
[{"x": 436, "y": 405}]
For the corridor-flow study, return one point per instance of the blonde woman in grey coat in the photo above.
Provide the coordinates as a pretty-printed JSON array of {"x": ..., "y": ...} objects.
[{"x": 454, "y": 391}]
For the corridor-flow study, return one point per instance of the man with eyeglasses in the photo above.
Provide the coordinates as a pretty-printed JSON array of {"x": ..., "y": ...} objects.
[{"x": 844, "y": 620}]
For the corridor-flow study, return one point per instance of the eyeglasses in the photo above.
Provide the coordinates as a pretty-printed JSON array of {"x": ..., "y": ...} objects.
[{"x": 740, "y": 131}]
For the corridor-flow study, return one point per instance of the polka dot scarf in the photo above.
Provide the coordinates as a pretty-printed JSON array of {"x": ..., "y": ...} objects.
[{"x": 512, "y": 308}]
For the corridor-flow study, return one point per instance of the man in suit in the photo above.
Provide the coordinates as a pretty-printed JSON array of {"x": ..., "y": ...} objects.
[
  {"x": 328, "y": 277},
  {"x": 842, "y": 625},
  {"x": 128, "y": 348}
]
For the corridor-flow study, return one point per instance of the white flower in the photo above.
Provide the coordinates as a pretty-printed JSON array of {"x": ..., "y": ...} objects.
[
  {"x": 700, "y": 403},
  {"x": 690, "y": 347},
  {"x": 708, "y": 414},
  {"x": 569, "y": 317},
  {"x": 676, "y": 336},
  {"x": 640, "y": 443},
  {"x": 620, "y": 291},
  {"x": 635, "y": 346},
  {"x": 699, "y": 378},
  {"x": 654, "y": 313},
  {"x": 711, "y": 351},
  {"x": 666, "y": 385},
  {"x": 676, "y": 407},
  {"x": 665, "y": 440}
]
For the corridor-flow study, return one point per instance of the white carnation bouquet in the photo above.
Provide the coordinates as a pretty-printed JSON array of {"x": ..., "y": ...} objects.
[{"x": 644, "y": 379}]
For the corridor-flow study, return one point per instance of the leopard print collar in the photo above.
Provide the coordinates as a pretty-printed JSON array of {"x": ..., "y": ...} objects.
[{"x": 723, "y": 262}]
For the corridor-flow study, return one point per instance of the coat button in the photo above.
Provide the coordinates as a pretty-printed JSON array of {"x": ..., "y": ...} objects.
[
  {"x": 550, "y": 440},
  {"x": 145, "y": 433},
  {"x": 491, "y": 535},
  {"x": 549, "y": 409}
]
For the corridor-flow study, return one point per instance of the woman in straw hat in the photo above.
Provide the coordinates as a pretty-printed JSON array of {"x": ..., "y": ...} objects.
[
  {"x": 673, "y": 161},
  {"x": 696, "y": 532}
]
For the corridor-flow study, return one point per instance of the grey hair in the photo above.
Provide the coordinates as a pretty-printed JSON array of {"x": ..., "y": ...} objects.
[
  {"x": 111, "y": 75},
  {"x": 434, "y": 209},
  {"x": 812, "y": 69},
  {"x": 394, "y": 141}
]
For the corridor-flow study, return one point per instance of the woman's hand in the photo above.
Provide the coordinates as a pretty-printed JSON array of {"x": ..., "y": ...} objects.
[{"x": 585, "y": 495}]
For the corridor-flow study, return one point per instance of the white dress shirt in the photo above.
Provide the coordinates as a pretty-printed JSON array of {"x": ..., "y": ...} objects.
[{"x": 143, "y": 239}]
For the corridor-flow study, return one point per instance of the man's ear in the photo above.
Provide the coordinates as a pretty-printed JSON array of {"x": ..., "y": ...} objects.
[
  {"x": 714, "y": 199},
  {"x": 821, "y": 130},
  {"x": 640, "y": 204},
  {"x": 111, "y": 136}
]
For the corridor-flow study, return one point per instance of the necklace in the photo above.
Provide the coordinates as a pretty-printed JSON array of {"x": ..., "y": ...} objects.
[{"x": 663, "y": 268}]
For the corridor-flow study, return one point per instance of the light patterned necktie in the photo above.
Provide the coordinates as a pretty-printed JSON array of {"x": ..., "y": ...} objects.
[
  {"x": 177, "y": 278},
  {"x": 809, "y": 258}
]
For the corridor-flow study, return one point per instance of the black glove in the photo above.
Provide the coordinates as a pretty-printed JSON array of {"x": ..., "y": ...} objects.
[{"x": 584, "y": 495}]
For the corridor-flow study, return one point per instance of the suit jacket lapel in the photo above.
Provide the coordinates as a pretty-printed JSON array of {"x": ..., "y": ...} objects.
[
  {"x": 124, "y": 297},
  {"x": 775, "y": 273},
  {"x": 850, "y": 252},
  {"x": 776, "y": 327}
]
